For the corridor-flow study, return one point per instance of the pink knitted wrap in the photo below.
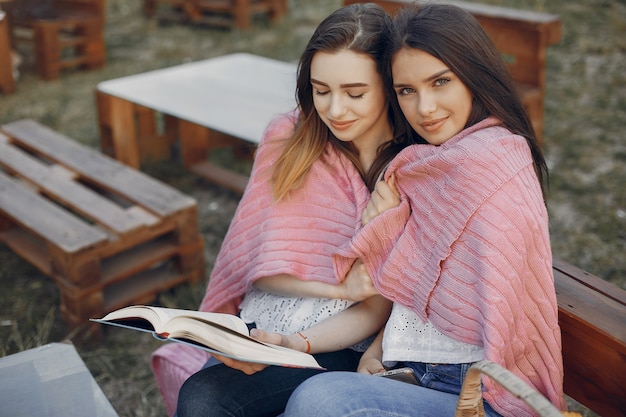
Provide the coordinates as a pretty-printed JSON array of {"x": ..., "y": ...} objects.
[
  {"x": 468, "y": 249},
  {"x": 298, "y": 237}
]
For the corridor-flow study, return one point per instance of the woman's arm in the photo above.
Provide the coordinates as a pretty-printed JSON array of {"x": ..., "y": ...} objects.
[
  {"x": 338, "y": 332},
  {"x": 357, "y": 286},
  {"x": 344, "y": 329}
]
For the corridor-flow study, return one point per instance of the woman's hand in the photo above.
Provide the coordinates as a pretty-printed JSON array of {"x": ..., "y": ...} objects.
[
  {"x": 370, "y": 366},
  {"x": 371, "y": 361},
  {"x": 247, "y": 368},
  {"x": 358, "y": 284},
  {"x": 384, "y": 197},
  {"x": 250, "y": 368}
]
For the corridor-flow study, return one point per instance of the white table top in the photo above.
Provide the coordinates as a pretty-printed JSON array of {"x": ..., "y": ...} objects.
[{"x": 236, "y": 94}]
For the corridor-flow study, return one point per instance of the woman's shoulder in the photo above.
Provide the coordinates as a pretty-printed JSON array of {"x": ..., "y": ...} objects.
[{"x": 280, "y": 128}]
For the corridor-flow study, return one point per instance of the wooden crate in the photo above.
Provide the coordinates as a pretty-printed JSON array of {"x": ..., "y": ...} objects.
[
  {"x": 69, "y": 34},
  {"x": 108, "y": 235}
]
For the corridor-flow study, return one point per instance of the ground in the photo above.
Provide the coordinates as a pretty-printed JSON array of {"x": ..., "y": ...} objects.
[{"x": 584, "y": 145}]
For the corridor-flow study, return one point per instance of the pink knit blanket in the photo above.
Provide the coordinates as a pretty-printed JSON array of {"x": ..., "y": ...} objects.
[
  {"x": 468, "y": 249},
  {"x": 296, "y": 236}
]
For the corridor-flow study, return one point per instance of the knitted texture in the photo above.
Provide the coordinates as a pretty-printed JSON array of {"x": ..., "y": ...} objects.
[
  {"x": 468, "y": 249},
  {"x": 296, "y": 237}
]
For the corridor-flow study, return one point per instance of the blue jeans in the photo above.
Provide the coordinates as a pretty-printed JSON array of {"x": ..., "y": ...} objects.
[
  {"x": 348, "y": 394},
  {"x": 222, "y": 391}
]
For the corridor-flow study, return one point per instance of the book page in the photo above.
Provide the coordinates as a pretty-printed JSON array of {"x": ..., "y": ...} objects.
[
  {"x": 244, "y": 348},
  {"x": 159, "y": 316}
]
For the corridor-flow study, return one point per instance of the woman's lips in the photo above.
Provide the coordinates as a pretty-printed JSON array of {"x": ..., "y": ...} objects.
[
  {"x": 433, "y": 125},
  {"x": 341, "y": 125}
]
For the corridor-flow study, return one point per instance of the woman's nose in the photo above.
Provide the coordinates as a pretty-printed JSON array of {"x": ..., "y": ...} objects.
[
  {"x": 426, "y": 104},
  {"x": 337, "y": 106}
]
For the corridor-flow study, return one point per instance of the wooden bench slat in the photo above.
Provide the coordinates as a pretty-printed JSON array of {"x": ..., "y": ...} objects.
[
  {"x": 592, "y": 317},
  {"x": 34, "y": 213},
  {"x": 70, "y": 193},
  {"x": 99, "y": 169}
]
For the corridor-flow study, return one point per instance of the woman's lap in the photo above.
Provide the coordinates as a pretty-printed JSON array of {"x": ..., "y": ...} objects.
[
  {"x": 222, "y": 391},
  {"x": 343, "y": 394}
]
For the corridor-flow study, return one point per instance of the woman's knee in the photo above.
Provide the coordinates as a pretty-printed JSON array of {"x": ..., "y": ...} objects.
[
  {"x": 194, "y": 398},
  {"x": 318, "y": 395}
]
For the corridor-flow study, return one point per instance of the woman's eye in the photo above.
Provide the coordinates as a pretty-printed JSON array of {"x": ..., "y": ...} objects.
[
  {"x": 356, "y": 96},
  {"x": 320, "y": 93},
  {"x": 404, "y": 91},
  {"x": 441, "y": 82}
]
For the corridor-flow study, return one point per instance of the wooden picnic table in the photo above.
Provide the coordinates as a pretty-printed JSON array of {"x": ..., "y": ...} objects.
[{"x": 206, "y": 104}]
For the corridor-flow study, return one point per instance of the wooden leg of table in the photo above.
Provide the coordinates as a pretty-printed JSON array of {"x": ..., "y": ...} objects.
[
  {"x": 118, "y": 119},
  {"x": 47, "y": 50},
  {"x": 194, "y": 143},
  {"x": 170, "y": 129},
  {"x": 152, "y": 145},
  {"x": 7, "y": 83}
]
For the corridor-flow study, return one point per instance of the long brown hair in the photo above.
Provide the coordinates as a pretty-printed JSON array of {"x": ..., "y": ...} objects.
[
  {"x": 360, "y": 28},
  {"x": 453, "y": 36}
]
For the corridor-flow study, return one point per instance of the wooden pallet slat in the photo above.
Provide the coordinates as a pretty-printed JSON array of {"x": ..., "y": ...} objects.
[
  {"x": 44, "y": 218},
  {"x": 58, "y": 183},
  {"x": 96, "y": 168}
]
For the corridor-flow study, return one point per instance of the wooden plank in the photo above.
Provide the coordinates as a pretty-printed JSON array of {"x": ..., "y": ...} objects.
[
  {"x": 99, "y": 169},
  {"x": 221, "y": 176},
  {"x": 194, "y": 142},
  {"x": 45, "y": 219},
  {"x": 64, "y": 189}
]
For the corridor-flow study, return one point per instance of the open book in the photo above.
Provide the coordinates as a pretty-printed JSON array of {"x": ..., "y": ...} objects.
[{"x": 222, "y": 334}]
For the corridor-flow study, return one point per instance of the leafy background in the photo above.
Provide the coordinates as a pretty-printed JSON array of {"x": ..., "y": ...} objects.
[{"x": 584, "y": 143}]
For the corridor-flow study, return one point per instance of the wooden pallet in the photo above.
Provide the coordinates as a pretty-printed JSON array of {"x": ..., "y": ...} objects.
[
  {"x": 220, "y": 13},
  {"x": 107, "y": 234}
]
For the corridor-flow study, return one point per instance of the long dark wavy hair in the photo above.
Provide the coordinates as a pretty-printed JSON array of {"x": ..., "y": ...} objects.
[
  {"x": 453, "y": 36},
  {"x": 360, "y": 28}
]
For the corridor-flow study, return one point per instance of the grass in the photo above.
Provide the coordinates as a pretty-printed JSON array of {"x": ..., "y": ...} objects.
[{"x": 584, "y": 144}]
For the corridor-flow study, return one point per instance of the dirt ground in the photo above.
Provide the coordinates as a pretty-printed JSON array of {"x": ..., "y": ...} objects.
[{"x": 584, "y": 145}]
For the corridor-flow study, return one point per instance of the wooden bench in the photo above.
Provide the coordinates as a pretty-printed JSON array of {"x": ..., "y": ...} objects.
[
  {"x": 223, "y": 13},
  {"x": 522, "y": 36},
  {"x": 107, "y": 234},
  {"x": 592, "y": 316},
  {"x": 69, "y": 35}
]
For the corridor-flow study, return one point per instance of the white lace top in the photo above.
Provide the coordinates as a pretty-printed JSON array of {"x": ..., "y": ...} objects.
[
  {"x": 408, "y": 339},
  {"x": 287, "y": 315}
]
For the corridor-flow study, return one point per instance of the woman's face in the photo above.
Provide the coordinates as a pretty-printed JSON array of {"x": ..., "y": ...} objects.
[
  {"x": 348, "y": 95},
  {"x": 433, "y": 99}
]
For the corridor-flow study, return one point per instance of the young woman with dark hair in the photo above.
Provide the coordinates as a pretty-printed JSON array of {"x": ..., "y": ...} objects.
[{"x": 464, "y": 252}]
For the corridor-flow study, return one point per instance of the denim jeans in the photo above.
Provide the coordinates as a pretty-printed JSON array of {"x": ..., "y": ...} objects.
[
  {"x": 222, "y": 391},
  {"x": 348, "y": 394}
]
